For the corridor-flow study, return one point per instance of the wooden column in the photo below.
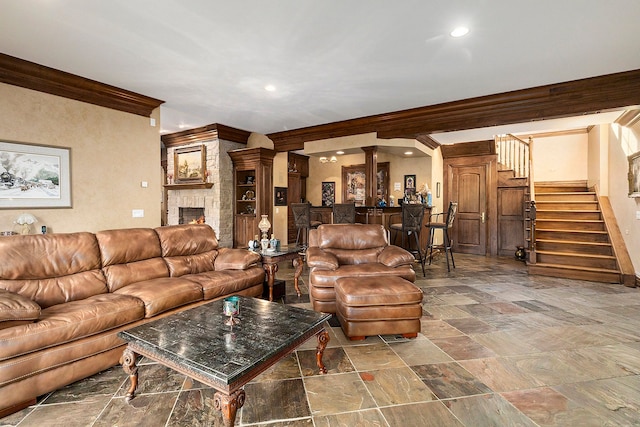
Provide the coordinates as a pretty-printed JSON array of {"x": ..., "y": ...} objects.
[{"x": 370, "y": 171}]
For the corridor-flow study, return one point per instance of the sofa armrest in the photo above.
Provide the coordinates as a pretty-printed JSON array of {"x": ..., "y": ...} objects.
[
  {"x": 317, "y": 258},
  {"x": 16, "y": 309},
  {"x": 395, "y": 256},
  {"x": 236, "y": 259}
]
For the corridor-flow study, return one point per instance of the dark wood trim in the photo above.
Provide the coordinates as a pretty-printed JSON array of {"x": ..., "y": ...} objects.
[
  {"x": 18, "y": 72},
  {"x": 466, "y": 149},
  {"x": 206, "y": 133},
  {"x": 566, "y": 99},
  {"x": 189, "y": 186},
  {"x": 428, "y": 141}
]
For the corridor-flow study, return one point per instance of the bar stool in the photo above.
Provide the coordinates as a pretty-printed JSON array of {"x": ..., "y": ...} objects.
[
  {"x": 302, "y": 220},
  {"x": 412, "y": 215},
  {"x": 444, "y": 226},
  {"x": 344, "y": 213}
]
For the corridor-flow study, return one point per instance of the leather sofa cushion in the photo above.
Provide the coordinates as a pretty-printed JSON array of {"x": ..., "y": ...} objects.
[
  {"x": 121, "y": 275},
  {"x": 130, "y": 255},
  {"x": 236, "y": 259},
  {"x": 15, "y": 307},
  {"x": 18, "y": 368},
  {"x": 188, "y": 248},
  {"x": 224, "y": 282},
  {"x": 186, "y": 239},
  {"x": 70, "y": 321},
  {"x": 52, "y": 269},
  {"x": 159, "y": 295}
]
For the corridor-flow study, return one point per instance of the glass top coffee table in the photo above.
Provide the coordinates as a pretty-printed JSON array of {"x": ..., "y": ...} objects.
[{"x": 197, "y": 343}]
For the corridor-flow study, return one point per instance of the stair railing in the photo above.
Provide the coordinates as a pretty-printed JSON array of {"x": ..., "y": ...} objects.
[{"x": 517, "y": 155}]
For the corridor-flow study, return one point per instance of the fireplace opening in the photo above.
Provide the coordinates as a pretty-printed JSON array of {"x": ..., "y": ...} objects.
[{"x": 188, "y": 215}]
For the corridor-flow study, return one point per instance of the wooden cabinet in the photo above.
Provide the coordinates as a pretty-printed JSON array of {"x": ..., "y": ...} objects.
[{"x": 253, "y": 191}]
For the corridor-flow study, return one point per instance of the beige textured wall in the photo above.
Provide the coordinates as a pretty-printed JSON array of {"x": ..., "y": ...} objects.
[
  {"x": 561, "y": 158},
  {"x": 112, "y": 152},
  {"x": 622, "y": 143}
]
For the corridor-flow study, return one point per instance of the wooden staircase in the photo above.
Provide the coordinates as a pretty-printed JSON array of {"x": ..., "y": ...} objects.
[{"x": 571, "y": 238}]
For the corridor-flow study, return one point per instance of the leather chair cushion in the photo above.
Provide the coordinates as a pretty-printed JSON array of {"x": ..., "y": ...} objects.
[
  {"x": 376, "y": 291},
  {"x": 159, "y": 295},
  {"x": 351, "y": 236},
  {"x": 70, "y": 321},
  {"x": 376, "y": 270}
]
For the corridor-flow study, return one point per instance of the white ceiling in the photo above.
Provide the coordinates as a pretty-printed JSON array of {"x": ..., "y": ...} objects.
[{"x": 330, "y": 60}]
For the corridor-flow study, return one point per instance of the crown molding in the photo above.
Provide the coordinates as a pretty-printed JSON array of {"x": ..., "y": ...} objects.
[
  {"x": 577, "y": 97},
  {"x": 206, "y": 133},
  {"x": 18, "y": 72}
]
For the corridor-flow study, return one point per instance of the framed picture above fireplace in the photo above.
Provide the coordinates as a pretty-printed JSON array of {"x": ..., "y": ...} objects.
[{"x": 189, "y": 164}]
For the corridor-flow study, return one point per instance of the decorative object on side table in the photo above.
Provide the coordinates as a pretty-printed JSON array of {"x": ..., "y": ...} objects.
[
  {"x": 25, "y": 221},
  {"x": 264, "y": 225}
]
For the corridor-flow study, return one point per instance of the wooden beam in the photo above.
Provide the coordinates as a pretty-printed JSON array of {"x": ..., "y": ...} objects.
[
  {"x": 18, "y": 72},
  {"x": 577, "y": 97}
]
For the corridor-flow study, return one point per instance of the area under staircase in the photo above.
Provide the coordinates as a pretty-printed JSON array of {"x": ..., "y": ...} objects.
[{"x": 572, "y": 238}]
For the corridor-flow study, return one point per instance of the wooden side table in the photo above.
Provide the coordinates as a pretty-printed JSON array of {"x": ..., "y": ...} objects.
[{"x": 270, "y": 262}]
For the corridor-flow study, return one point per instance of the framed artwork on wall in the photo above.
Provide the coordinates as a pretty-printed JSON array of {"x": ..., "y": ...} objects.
[
  {"x": 353, "y": 184},
  {"x": 280, "y": 196},
  {"x": 634, "y": 175},
  {"x": 328, "y": 193},
  {"x": 189, "y": 164},
  {"x": 409, "y": 185},
  {"x": 34, "y": 176}
]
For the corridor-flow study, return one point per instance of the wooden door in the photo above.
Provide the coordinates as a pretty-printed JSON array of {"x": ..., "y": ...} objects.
[{"x": 469, "y": 189}]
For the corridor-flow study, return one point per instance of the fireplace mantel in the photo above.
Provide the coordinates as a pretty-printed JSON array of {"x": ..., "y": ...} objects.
[{"x": 189, "y": 186}]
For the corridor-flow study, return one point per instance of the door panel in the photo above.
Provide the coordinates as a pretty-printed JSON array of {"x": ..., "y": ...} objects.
[{"x": 470, "y": 189}]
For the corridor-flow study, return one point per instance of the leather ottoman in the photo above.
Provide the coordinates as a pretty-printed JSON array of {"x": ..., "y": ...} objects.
[{"x": 368, "y": 306}]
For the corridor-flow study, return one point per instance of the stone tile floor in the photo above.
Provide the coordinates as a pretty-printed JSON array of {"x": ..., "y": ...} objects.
[{"x": 497, "y": 348}]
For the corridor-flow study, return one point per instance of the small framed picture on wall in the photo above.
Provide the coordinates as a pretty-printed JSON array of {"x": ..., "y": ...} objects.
[
  {"x": 328, "y": 193},
  {"x": 280, "y": 196},
  {"x": 409, "y": 184}
]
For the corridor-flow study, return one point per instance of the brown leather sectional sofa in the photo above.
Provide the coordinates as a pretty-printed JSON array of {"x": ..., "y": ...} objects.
[
  {"x": 64, "y": 297},
  {"x": 351, "y": 250}
]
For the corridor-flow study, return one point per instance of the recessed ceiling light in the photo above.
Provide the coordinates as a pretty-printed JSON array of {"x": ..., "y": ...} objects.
[
  {"x": 408, "y": 153},
  {"x": 270, "y": 88},
  {"x": 459, "y": 32},
  {"x": 339, "y": 152}
]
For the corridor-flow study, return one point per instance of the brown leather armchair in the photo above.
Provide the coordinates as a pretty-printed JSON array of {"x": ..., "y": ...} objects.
[{"x": 351, "y": 250}]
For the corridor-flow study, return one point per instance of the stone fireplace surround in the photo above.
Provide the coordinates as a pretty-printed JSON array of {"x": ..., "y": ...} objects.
[{"x": 216, "y": 201}]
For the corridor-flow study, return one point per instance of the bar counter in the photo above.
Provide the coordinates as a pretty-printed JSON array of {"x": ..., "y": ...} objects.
[{"x": 376, "y": 215}]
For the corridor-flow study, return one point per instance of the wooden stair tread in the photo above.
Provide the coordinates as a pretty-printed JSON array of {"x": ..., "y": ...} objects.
[
  {"x": 573, "y": 242},
  {"x": 580, "y": 254},
  {"x": 569, "y": 210},
  {"x": 560, "y": 230},
  {"x": 572, "y": 267},
  {"x": 568, "y": 220},
  {"x": 557, "y": 193}
]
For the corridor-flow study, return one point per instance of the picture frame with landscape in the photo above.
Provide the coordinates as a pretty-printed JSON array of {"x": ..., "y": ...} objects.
[
  {"x": 34, "y": 176},
  {"x": 189, "y": 164}
]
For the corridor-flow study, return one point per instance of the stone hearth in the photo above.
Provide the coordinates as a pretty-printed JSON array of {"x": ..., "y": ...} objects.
[{"x": 216, "y": 202}]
